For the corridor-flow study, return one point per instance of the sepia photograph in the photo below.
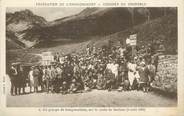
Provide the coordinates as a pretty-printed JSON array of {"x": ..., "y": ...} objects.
[{"x": 91, "y": 56}]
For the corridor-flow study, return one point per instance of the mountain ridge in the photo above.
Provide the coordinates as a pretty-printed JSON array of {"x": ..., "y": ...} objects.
[{"x": 31, "y": 29}]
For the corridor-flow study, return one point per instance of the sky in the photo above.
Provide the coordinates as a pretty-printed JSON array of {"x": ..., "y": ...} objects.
[{"x": 49, "y": 14}]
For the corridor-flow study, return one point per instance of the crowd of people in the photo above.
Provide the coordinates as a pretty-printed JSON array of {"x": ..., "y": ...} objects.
[{"x": 105, "y": 68}]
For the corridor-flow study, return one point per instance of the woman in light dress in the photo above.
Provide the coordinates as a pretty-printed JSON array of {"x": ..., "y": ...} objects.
[
  {"x": 31, "y": 79},
  {"x": 131, "y": 72}
]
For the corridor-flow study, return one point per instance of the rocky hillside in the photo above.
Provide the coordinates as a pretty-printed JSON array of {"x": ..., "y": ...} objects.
[
  {"x": 18, "y": 26},
  {"x": 26, "y": 29}
]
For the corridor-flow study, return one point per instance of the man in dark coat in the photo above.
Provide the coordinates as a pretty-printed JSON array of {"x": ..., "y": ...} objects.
[
  {"x": 123, "y": 73},
  {"x": 68, "y": 73},
  {"x": 40, "y": 80},
  {"x": 13, "y": 75},
  {"x": 22, "y": 80},
  {"x": 154, "y": 61},
  {"x": 152, "y": 72},
  {"x": 18, "y": 79},
  {"x": 53, "y": 78},
  {"x": 48, "y": 78}
]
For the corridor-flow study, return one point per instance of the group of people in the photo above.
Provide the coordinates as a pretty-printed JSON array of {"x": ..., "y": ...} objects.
[{"x": 105, "y": 68}]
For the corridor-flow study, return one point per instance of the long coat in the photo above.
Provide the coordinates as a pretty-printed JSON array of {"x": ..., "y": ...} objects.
[
  {"x": 13, "y": 75},
  {"x": 123, "y": 71},
  {"x": 152, "y": 72},
  {"x": 36, "y": 74}
]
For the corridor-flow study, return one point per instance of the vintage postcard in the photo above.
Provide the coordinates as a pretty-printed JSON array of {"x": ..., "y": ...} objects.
[{"x": 92, "y": 57}]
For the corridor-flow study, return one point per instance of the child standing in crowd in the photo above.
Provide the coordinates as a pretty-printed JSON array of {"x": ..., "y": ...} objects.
[{"x": 144, "y": 80}]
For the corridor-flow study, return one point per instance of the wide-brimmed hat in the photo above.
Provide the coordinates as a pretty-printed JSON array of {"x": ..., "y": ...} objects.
[
  {"x": 142, "y": 64},
  {"x": 13, "y": 64}
]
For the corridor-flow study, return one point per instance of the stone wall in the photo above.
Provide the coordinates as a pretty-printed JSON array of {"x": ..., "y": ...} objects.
[{"x": 166, "y": 76}]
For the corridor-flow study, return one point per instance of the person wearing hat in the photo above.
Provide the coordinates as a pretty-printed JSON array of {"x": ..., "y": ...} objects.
[{"x": 13, "y": 75}]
